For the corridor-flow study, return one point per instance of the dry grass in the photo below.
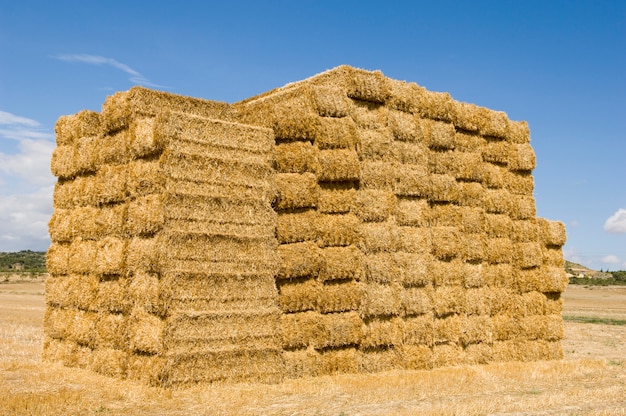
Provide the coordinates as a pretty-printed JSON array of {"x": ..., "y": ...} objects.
[{"x": 591, "y": 380}]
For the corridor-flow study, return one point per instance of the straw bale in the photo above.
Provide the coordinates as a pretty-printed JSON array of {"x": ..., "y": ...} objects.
[
  {"x": 528, "y": 255},
  {"x": 340, "y": 263},
  {"x": 410, "y": 153},
  {"x": 143, "y": 140},
  {"x": 295, "y": 190},
  {"x": 437, "y": 106},
  {"x": 472, "y": 219},
  {"x": 111, "y": 331},
  {"x": 414, "y": 269},
  {"x": 368, "y": 86},
  {"x": 478, "y": 353},
  {"x": 496, "y": 124},
  {"x": 448, "y": 272},
  {"x": 378, "y": 175},
  {"x": 336, "y": 197},
  {"x": 519, "y": 182},
  {"x": 445, "y": 355},
  {"x": 382, "y": 268},
  {"x": 111, "y": 256},
  {"x": 120, "y": 109},
  {"x": 336, "y": 230},
  {"x": 376, "y": 237},
  {"x": 417, "y": 357},
  {"x": 199, "y": 292},
  {"x": 82, "y": 255},
  {"x": 445, "y": 215},
  {"x": 476, "y": 330},
  {"x": 553, "y": 256},
  {"x": 301, "y": 363},
  {"x": 339, "y": 361},
  {"x": 338, "y": 165},
  {"x": 499, "y": 250},
  {"x": 83, "y": 223},
  {"x": 111, "y": 184},
  {"x": 441, "y": 161},
  {"x": 376, "y": 145},
  {"x": 413, "y": 240},
  {"x": 543, "y": 279},
  {"x": 303, "y": 329},
  {"x": 336, "y": 133},
  {"x": 330, "y": 101},
  {"x": 473, "y": 247},
  {"x": 413, "y": 180},
  {"x": 518, "y": 132},
  {"x": 81, "y": 293},
  {"x": 66, "y": 352},
  {"x": 71, "y": 193},
  {"x": 497, "y": 152},
  {"x": 450, "y": 329},
  {"x": 379, "y": 332},
  {"x": 368, "y": 115},
  {"x": 294, "y": 123},
  {"x": 499, "y": 201},
  {"x": 299, "y": 260},
  {"x": 57, "y": 259},
  {"x": 62, "y": 164},
  {"x": 498, "y": 274},
  {"x": 446, "y": 242},
  {"x": 109, "y": 362},
  {"x": 57, "y": 290},
  {"x": 554, "y": 303},
  {"x": 373, "y": 360},
  {"x": 299, "y": 295},
  {"x": 143, "y": 255},
  {"x": 231, "y": 365},
  {"x": 522, "y": 207},
  {"x": 340, "y": 296},
  {"x": 113, "y": 295},
  {"x": 505, "y": 327},
  {"x": 145, "y": 178},
  {"x": 494, "y": 176},
  {"x": 80, "y": 326},
  {"x": 498, "y": 225},
  {"x": 144, "y": 291},
  {"x": 524, "y": 350},
  {"x": 297, "y": 157},
  {"x": 109, "y": 220},
  {"x": 448, "y": 300},
  {"x": 404, "y": 96},
  {"x": 419, "y": 330},
  {"x": 147, "y": 369},
  {"x": 145, "y": 332},
  {"x": 500, "y": 300},
  {"x": 381, "y": 300},
  {"x": 442, "y": 188},
  {"x": 405, "y": 127},
  {"x": 86, "y": 154},
  {"x": 342, "y": 329},
  {"x": 439, "y": 135},
  {"x": 113, "y": 149},
  {"x": 257, "y": 329},
  {"x": 468, "y": 141},
  {"x": 479, "y": 301},
  {"x": 60, "y": 226},
  {"x": 70, "y": 128},
  {"x": 411, "y": 211},
  {"x": 373, "y": 206},
  {"x": 473, "y": 274},
  {"x": 416, "y": 300},
  {"x": 552, "y": 232},
  {"x": 525, "y": 231},
  {"x": 529, "y": 303}
]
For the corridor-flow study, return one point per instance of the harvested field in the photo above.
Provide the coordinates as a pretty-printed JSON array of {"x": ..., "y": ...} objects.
[{"x": 590, "y": 380}]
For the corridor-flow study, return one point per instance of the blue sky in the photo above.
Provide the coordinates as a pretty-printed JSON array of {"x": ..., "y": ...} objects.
[{"x": 560, "y": 65}]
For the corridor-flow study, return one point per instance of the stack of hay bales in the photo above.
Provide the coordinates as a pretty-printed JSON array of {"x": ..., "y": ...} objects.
[
  {"x": 164, "y": 255},
  {"x": 407, "y": 229},
  {"x": 344, "y": 223}
]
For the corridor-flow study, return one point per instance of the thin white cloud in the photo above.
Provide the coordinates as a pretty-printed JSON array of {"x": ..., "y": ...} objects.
[
  {"x": 24, "y": 220},
  {"x": 610, "y": 259},
  {"x": 616, "y": 223},
  {"x": 31, "y": 165},
  {"x": 11, "y": 119},
  {"x": 135, "y": 76}
]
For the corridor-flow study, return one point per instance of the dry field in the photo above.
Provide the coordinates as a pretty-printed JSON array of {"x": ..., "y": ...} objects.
[{"x": 591, "y": 380}]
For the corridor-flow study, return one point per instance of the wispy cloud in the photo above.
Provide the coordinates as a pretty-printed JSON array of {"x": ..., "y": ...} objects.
[
  {"x": 616, "y": 223},
  {"x": 135, "y": 76},
  {"x": 611, "y": 259}
]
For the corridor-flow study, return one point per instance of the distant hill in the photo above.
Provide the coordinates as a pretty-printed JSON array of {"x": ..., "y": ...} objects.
[
  {"x": 579, "y": 270},
  {"x": 23, "y": 261}
]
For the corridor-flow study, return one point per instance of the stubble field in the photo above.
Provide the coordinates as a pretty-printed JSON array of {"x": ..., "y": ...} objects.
[{"x": 590, "y": 380}]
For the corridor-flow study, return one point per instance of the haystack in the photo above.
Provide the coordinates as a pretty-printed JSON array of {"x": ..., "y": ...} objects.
[{"x": 344, "y": 223}]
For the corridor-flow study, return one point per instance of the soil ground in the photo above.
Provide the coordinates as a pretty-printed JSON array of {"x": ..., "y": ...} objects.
[{"x": 590, "y": 380}]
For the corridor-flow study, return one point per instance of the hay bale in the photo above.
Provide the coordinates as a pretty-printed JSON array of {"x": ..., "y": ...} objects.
[
  {"x": 60, "y": 226},
  {"x": 473, "y": 275},
  {"x": 376, "y": 237},
  {"x": 339, "y": 296},
  {"x": 144, "y": 290},
  {"x": 373, "y": 360},
  {"x": 111, "y": 256},
  {"x": 528, "y": 255},
  {"x": 299, "y": 295},
  {"x": 82, "y": 255},
  {"x": 472, "y": 220},
  {"x": 553, "y": 257},
  {"x": 368, "y": 115},
  {"x": 552, "y": 232},
  {"x": 450, "y": 329},
  {"x": 297, "y": 157},
  {"x": 498, "y": 226},
  {"x": 410, "y": 153},
  {"x": 111, "y": 184},
  {"x": 415, "y": 268},
  {"x": 299, "y": 260},
  {"x": 439, "y": 135},
  {"x": 367, "y": 86},
  {"x": 519, "y": 182},
  {"x": 413, "y": 240},
  {"x": 373, "y": 205},
  {"x": 411, "y": 211},
  {"x": 525, "y": 231},
  {"x": 341, "y": 263},
  {"x": 446, "y": 242},
  {"x": 473, "y": 247},
  {"x": 476, "y": 330},
  {"x": 382, "y": 268},
  {"x": 518, "y": 132},
  {"x": 301, "y": 363},
  {"x": 296, "y": 227},
  {"x": 69, "y": 129},
  {"x": 414, "y": 181},
  {"x": 499, "y": 201},
  {"x": 57, "y": 259},
  {"x": 447, "y": 300},
  {"x": 405, "y": 127},
  {"x": 378, "y": 175},
  {"x": 113, "y": 295},
  {"x": 446, "y": 355},
  {"x": 441, "y": 188},
  {"x": 336, "y": 197},
  {"x": 336, "y": 133},
  {"x": 522, "y": 207},
  {"x": 336, "y": 230},
  {"x": 480, "y": 353},
  {"x": 143, "y": 140},
  {"x": 295, "y": 190},
  {"x": 339, "y": 361},
  {"x": 419, "y": 330},
  {"x": 381, "y": 300},
  {"x": 62, "y": 164},
  {"x": 498, "y": 274},
  {"x": 66, "y": 352},
  {"x": 468, "y": 141},
  {"x": 404, "y": 96},
  {"x": 145, "y": 178},
  {"x": 145, "y": 332},
  {"x": 148, "y": 369},
  {"x": 448, "y": 272},
  {"x": 479, "y": 301},
  {"x": 494, "y": 176},
  {"x": 143, "y": 255},
  {"x": 376, "y": 145},
  {"x": 338, "y": 165},
  {"x": 382, "y": 332},
  {"x": 330, "y": 101},
  {"x": 499, "y": 250},
  {"x": 303, "y": 329},
  {"x": 416, "y": 300},
  {"x": 417, "y": 357},
  {"x": 111, "y": 331},
  {"x": 113, "y": 149}
]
